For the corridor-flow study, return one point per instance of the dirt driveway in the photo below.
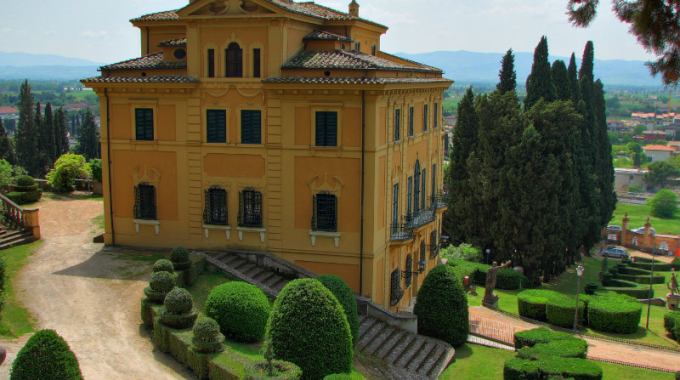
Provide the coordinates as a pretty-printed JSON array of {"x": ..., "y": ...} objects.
[{"x": 90, "y": 296}]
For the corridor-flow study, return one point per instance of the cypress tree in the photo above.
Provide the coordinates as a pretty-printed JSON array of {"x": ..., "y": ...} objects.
[
  {"x": 6, "y": 146},
  {"x": 605, "y": 166},
  {"x": 26, "y": 135},
  {"x": 88, "y": 139},
  {"x": 572, "y": 75},
  {"x": 60, "y": 133},
  {"x": 588, "y": 62},
  {"x": 560, "y": 77},
  {"x": 457, "y": 175},
  {"x": 47, "y": 143},
  {"x": 507, "y": 75},
  {"x": 539, "y": 83}
]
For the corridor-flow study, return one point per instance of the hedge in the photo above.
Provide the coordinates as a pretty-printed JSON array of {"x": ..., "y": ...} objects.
[
  {"x": 659, "y": 266},
  {"x": 641, "y": 292},
  {"x": 670, "y": 321},
  {"x": 281, "y": 371},
  {"x": 180, "y": 257},
  {"x": 476, "y": 271},
  {"x": 560, "y": 311},
  {"x": 338, "y": 376},
  {"x": 676, "y": 263},
  {"x": 532, "y": 303},
  {"x": 643, "y": 279},
  {"x": 46, "y": 356},
  {"x": 570, "y": 348},
  {"x": 618, "y": 314},
  {"x": 308, "y": 327},
  {"x": 345, "y": 296},
  {"x": 442, "y": 307},
  {"x": 241, "y": 309},
  {"x": 530, "y": 338},
  {"x": 635, "y": 271},
  {"x": 520, "y": 369},
  {"x": 507, "y": 279}
]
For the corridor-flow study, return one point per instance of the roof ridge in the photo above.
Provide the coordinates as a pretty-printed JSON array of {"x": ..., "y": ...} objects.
[{"x": 134, "y": 59}]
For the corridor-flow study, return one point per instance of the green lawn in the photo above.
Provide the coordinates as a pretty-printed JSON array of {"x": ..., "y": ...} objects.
[
  {"x": 484, "y": 363},
  {"x": 638, "y": 216},
  {"x": 15, "y": 319}
]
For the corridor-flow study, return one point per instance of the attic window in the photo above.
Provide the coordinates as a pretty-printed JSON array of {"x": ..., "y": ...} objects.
[
  {"x": 179, "y": 53},
  {"x": 327, "y": 73}
]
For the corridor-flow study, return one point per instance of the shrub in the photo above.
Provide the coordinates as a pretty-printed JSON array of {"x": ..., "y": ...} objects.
[
  {"x": 509, "y": 279},
  {"x": 677, "y": 375},
  {"x": 477, "y": 270},
  {"x": 67, "y": 168},
  {"x": 308, "y": 327},
  {"x": 590, "y": 288},
  {"x": 581, "y": 369},
  {"x": 338, "y": 376},
  {"x": 560, "y": 311},
  {"x": 529, "y": 338},
  {"x": 180, "y": 257},
  {"x": 177, "y": 310},
  {"x": 5, "y": 174},
  {"x": 442, "y": 307},
  {"x": 532, "y": 303},
  {"x": 464, "y": 252},
  {"x": 159, "y": 285},
  {"x": 241, "y": 309},
  {"x": 664, "y": 204},
  {"x": 670, "y": 321},
  {"x": 207, "y": 337},
  {"x": 3, "y": 268},
  {"x": 281, "y": 370},
  {"x": 96, "y": 169},
  {"x": 345, "y": 296},
  {"x": 163, "y": 265},
  {"x": 25, "y": 180},
  {"x": 618, "y": 314},
  {"x": 676, "y": 263},
  {"x": 46, "y": 356},
  {"x": 25, "y": 191},
  {"x": 570, "y": 348},
  {"x": 659, "y": 266}
]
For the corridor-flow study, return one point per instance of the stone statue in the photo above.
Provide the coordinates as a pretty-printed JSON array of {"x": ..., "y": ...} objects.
[
  {"x": 491, "y": 275},
  {"x": 672, "y": 284}
]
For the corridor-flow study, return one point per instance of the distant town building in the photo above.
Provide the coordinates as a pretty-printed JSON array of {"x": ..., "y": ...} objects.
[
  {"x": 658, "y": 152},
  {"x": 8, "y": 113},
  {"x": 625, "y": 177}
]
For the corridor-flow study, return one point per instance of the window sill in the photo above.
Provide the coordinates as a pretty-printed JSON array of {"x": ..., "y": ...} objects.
[
  {"x": 260, "y": 230},
  {"x": 147, "y": 222},
  {"x": 334, "y": 235},
  {"x": 208, "y": 227}
]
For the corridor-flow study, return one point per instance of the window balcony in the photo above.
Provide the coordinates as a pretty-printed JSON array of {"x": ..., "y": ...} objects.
[
  {"x": 438, "y": 200},
  {"x": 421, "y": 218},
  {"x": 401, "y": 231}
]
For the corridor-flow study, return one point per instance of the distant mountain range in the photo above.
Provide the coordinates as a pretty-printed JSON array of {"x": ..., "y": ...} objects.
[
  {"x": 462, "y": 66},
  {"x": 470, "y": 67}
]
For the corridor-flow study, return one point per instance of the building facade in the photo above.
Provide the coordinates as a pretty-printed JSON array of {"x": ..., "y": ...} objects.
[{"x": 270, "y": 125}]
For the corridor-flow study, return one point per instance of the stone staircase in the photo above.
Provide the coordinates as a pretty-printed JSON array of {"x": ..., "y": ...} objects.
[
  {"x": 399, "y": 354},
  {"x": 10, "y": 238}
]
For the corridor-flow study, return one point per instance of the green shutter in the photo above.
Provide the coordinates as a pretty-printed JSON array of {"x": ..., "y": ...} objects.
[{"x": 216, "y": 126}]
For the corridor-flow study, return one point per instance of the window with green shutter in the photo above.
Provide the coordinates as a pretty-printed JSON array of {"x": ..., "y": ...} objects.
[
  {"x": 144, "y": 124},
  {"x": 326, "y": 128},
  {"x": 216, "y": 121},
  {"x": 251, "y": 127},
  {"x": 410, "y": 121},
  {"x": 425, "y": 117},
  {"x": 397, "y": 124}
]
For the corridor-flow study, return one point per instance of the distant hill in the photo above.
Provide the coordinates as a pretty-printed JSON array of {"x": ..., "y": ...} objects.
[
  {"x": 29, "y": 60},
  {"x": 467, "y": 67},
  {"x": 45, "y": 67}
]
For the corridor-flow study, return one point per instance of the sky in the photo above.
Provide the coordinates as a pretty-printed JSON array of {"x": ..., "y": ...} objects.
[{"x": 99, "y": 30}]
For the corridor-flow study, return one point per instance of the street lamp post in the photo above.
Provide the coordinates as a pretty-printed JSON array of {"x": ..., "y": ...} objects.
[{"x": 579, "y": 272}]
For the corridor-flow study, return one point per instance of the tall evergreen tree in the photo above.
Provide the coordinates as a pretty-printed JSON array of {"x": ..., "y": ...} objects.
[
  {"x": 461, "y": 196},
  {"x": 46, "y": 143},
  {"x": 6, "y": 146},
  {"x": 558, "y": 73},
  {"x": 572, "y": 75},
  {"x": 507, "y": 75},
  {"x": 88, "y": 139},
  {"x": 60, "y": 133},
  {"x": 539, "y": 83},
  {"x": 27, "y": 133},
  {"x": 605, "y": 167},
  {"x": 588, "y": 62}
]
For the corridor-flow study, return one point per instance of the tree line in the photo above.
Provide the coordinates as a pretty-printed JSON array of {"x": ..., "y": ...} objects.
[
  {"x": 42, "y": 137},
  {"x": 533, "y": 182}
]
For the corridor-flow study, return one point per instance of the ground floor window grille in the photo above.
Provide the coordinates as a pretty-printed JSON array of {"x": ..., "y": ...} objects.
[
  {"x": 395, "y": 288},
  {"x": 215, "y": 211},
  {"x": 325, "y": 213},
  {"x": 250, "y": 208},
  {"x": 145, "y": 202},
  {"x": 409, "y": 272}
]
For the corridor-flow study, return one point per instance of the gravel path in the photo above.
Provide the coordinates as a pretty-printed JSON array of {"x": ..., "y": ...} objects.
[{"x": 90, "y": 296}]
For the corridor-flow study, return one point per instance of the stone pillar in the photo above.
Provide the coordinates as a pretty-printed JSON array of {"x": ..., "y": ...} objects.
[
  {"x": 32, "y": 222},
  {"x": 648, "y": 235},
  {"x": 624, "y": 229}
]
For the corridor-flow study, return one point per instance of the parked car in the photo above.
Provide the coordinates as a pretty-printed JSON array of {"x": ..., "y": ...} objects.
[
  {"x": 612, "y": 251},
  {"x": 641, "y": 230},
  {"x": 613, "y": 227}
]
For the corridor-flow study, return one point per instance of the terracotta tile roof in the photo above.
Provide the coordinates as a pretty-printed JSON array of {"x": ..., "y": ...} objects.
[
  {"x": 4, "y": 110},
  {"x": 343, "y": 59},
  {"x": 147, "y": 79},
  {"x": 148, "y": 62},
  {"x": 328, "y": 36},
  {"x": 658, "y": 147},
  {"x": 352, "y": 80},
  {"x": 158, "y": 16},
  {"x": 176, "y": 42}
]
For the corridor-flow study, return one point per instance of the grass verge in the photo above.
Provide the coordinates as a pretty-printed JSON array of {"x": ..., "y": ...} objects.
[
  {"x": 637, "y": 214},
  {"x": 15, "y": 319}
]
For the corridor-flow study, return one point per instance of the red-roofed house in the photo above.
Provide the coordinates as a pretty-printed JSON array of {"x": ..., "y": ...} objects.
[
  {"x": 8, "y": 112},
  {"x": 658, "y": 152}
]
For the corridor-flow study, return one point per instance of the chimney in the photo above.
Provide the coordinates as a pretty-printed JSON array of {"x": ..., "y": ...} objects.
[{"x": 354, "y": 9}]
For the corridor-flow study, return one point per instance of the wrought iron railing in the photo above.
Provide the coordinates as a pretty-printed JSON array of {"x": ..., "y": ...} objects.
[
  {"x": 401, "y": 231},
  {"x": 433, "y": 249},
  {"x": 421, "y": 218},
  {"x": 439, "y": 199},
  {"x": 13, "y": 215}
]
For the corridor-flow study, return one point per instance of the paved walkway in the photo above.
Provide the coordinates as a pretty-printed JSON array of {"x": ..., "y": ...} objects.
[{"x": 599, "y": 349}]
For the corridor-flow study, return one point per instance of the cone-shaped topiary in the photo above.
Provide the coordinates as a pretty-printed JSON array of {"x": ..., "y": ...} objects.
[
  {"x": 163, "y": 265},
  {"x": 159, "y": 285},
  {"x": 308, "y": 327},
  {"x": 344, "y": 294},
  {"x": 207, "y": 337},
  {"x": 442, "y": 307},
  {"x": 180, "y": 258},
  {"x": 241, "y": 309},
  {"x": 177, "y": 310},
  {"x": 46, "y": 356}
]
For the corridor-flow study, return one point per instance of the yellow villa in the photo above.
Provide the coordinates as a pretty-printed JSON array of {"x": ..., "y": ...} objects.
[{"x": 279, "y": 127}]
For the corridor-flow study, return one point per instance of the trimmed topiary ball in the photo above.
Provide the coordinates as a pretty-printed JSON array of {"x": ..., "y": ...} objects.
[
  {"x": 345, "y": 296},
  {"x": 617, "y": 313},
  {"x": 180, "y": 258},
  {"x": 159, "y": 285},
  {"x": 46, "y": 356},
  {"x": 241, "y": 309},
  {"x": 25, "y": 180},
  {"x": 178, "y": 301},
  {"x": 207, "y": 337},
  {"x": 308, "y": 327},
  {"x": 442, "y": 307},
  {"x": 163, "y": 265}
]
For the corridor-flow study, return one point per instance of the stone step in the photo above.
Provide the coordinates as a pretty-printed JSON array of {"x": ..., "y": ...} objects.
[
  {"x": 279, "y": 285},
  {"x": 229, "y": 259},
  {"x": 436, "y": 362},
  {"x": 221, "y": 256},
  {"x": 380, "y": 340},
  {"x": 421, "y": 356},
  {"x": 411, "y": 352},
  {"x": 243, "y": 265},
  {"x": 371, "y": 334},
  {"x": 264, "y": 276},
  {"x": 253, "y": 272},
  {"x": 390, "y": 345},
  {"x": 273, "y": 281},
  {"x": 396, "y": 353}
]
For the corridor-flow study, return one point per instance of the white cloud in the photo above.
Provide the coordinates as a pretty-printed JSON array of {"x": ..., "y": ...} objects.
[
  {"x": 50, "y": 32},
  {"x": 95, "y": 33}
]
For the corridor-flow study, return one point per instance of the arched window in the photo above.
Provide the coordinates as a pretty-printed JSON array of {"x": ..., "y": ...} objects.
[
  {"x": 409, "y": 271},
  {"x": 234, "y": 61},
  {"x": 664, "y": 245},
  {"x": 635, "y": 241},
  {"x": 416, "y": 190}
]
